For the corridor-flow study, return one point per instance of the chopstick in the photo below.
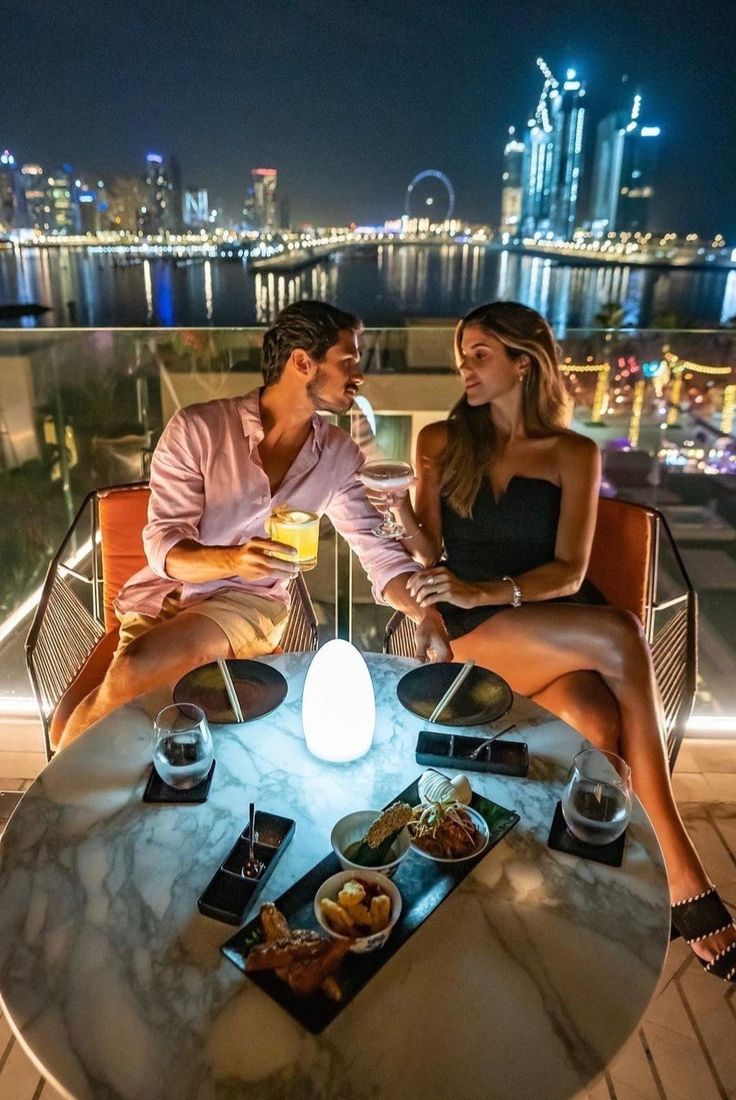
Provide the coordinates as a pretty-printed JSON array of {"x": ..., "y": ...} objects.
[
  {"x": 230, "y": 689},
  {"x": 450, "y": 693}
]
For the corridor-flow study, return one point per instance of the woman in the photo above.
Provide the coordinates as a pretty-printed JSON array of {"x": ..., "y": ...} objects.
[{"x": 511, "y": 495}]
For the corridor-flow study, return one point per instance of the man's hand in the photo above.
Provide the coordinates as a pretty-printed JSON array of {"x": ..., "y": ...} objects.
[
  {"x": 255, "y": 559},
  {"x": 438, "y": 585},
  {"x": 432, "y": 642}
]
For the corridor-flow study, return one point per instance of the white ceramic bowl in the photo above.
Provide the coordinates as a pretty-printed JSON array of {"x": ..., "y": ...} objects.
[
  {"x": 481, "y": 845},
  {"x": 353, "y": 827},
  {"x": 331, "y": 888}
]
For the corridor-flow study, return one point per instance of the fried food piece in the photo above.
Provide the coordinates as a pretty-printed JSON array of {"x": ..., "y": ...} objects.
[
  {"x": 380, "y": 913},
  {"x": 352, "y": 893},
  {"x": 281, "y": 953},
  {"x": 338, "y": 918},
  {"x": 331, "y": 989},
  {"x": 305, "y": 977},
  {"x": 274, "y": 923},
  {"x": 360, "y": 916},
  {"x": 275, "y": 927}
]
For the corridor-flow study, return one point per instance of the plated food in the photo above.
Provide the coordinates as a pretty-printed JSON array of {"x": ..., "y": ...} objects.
[
  {"x": 302, "y": 958},
  {"x": 444, "y": 826},
  {"x": 373, "y": 838},
  {"x": 361, "y": 909}
]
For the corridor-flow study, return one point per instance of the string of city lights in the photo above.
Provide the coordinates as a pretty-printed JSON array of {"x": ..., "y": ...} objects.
[{"x": 675, "y": 363}]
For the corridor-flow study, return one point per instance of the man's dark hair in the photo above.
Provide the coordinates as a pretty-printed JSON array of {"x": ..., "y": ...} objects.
[{"x": 313, "y": 326}]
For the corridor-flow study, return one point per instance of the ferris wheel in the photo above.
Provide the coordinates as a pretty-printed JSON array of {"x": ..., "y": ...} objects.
[{"x": 427, "y": 194}]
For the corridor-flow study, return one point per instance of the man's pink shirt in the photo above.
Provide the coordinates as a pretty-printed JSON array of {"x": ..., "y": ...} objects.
[{"x": 208, "y": 484}]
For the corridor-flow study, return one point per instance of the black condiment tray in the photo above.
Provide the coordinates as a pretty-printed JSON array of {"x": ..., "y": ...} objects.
[
  {"x": 423, "y": 883},
  {"x": 455, "y": 750},
  {"x": 230, "y": 894}
]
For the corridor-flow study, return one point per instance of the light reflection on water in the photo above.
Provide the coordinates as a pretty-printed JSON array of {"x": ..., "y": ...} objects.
[{"x": 384, "y": 286}]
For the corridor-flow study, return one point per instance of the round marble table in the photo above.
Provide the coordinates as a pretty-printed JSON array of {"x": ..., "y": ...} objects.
[{"x": 526, "y": 981}]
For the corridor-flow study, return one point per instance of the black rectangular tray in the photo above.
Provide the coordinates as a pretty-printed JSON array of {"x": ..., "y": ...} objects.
[
  {"x": 454, "y": 750},
  {"x": 423, "y": 884},
  {"x": 229, "y": 894}
]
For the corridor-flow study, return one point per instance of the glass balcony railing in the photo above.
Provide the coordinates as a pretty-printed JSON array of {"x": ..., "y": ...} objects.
[{"x": 83, "y": 408}]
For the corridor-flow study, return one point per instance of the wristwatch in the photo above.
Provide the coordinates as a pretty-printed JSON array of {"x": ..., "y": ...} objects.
[{"x": 516, "y": 598}]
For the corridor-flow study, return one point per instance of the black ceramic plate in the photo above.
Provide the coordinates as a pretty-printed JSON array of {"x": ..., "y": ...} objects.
[
  {"x": 260, "y": 689},
  {"x": 482, "y": 697}
]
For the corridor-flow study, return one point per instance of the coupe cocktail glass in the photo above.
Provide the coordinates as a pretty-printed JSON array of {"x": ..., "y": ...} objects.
[{"x": 388, "y": 477}]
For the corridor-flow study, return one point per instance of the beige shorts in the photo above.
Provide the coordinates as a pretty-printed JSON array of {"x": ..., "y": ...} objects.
[{"x": 253, "y": 624}]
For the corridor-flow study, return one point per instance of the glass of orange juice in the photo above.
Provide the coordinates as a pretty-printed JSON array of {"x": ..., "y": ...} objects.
[{"x": 300, "y": 529}]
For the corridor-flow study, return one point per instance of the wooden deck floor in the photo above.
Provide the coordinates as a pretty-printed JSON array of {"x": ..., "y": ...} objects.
[{"x": 685, "y": 1048}]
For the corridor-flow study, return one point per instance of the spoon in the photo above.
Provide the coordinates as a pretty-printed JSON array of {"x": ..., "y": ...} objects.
[
  {"x": 252, "y": 867},
  {"x": 476, "y": 752}
]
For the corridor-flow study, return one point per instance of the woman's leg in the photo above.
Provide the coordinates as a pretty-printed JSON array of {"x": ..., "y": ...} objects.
[
  {"x": 558, "y": 639},
  {"x": 583, "y": 701}
]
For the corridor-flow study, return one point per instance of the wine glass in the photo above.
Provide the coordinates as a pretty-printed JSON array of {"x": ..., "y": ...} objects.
[
  {"x": 182, "y": 749},
  {"x": 596, "y": 801},
  {"x": 387, "y": 477}
]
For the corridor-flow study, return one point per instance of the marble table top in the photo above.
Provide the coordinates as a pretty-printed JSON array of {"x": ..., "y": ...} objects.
[{"x": 526, "y": 981}]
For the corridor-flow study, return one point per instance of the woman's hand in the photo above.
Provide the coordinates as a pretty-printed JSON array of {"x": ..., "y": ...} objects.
[
  {"x": 439, "y": 585},
  {"x": 384, "y": 500}
]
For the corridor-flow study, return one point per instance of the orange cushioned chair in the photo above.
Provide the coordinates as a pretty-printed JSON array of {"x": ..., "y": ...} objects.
[
  {"x": 626, "y": 562},
  {"x": 71, "y": 640}
]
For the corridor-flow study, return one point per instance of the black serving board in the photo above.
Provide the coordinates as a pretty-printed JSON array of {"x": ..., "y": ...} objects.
[
  {"x": 455, "y": 750},
  {"x": 260, "y": 688},
  {"x": 230, "y": 894},
  {"x": 423, "y": 884},
  {"x": 482, "y": 697}
]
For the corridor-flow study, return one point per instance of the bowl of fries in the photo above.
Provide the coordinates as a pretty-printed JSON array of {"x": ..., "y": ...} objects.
[{"x": 362, "y": 907}]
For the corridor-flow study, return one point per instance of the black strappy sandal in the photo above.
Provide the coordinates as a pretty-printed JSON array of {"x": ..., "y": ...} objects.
[{"x": 705, "y": 915}]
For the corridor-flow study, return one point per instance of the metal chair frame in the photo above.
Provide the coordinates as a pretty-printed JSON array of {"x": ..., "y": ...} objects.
[
  {"x": 674, "y": 643},
  {"x": 64, "y": 631}
]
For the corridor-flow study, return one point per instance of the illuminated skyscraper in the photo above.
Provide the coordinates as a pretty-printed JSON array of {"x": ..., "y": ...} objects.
[
  {"x": 162, "y": 211},
  {"x": 511, "y": 192},
  {"x": 625, "y": 162},
  {"x": 37, "y": 213},
  {"x": 61, "y": 200},
  {"x": 196, "y": 208},
  {"x": 553, "y": 157},
  {"x": 10, "y": 192},
  {"x": 264, "y": 193},
  {"x": 127, "y": 195},
  {"x": 569, "y": 121}
]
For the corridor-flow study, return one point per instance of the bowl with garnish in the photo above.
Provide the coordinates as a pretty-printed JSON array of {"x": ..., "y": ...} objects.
[
  {"x": 448, "y": 831},
  {"x": 375, "y": 839},
  {"x": 362, "y": 908}
]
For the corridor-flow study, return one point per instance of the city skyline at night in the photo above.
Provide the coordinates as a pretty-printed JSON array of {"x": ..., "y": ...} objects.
[{"x": 349, "y": 112}]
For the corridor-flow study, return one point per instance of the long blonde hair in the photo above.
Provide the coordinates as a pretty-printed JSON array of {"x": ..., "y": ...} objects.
[{"x": 470, "y": 432}]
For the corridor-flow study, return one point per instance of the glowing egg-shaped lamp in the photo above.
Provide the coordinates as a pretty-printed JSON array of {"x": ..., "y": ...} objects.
[{"x": 338, "y": 705}]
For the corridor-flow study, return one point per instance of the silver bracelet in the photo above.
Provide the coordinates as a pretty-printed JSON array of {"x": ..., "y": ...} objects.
[
  {"x": 414, "y": 534},
  {"x": 516, "y": 598}
]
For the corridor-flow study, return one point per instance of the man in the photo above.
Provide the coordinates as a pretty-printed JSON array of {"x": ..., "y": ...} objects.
[{"x": 212, "y": 587}]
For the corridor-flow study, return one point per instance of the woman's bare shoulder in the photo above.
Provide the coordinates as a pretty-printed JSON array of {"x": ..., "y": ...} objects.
[
  {"x": 576, "y": 451},
  {"x": 432, "y": 439}
]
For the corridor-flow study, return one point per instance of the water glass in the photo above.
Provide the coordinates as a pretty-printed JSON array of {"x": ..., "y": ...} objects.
[
  {"x": 182, "y": 749},
  {"x": 596, "y": 801}
]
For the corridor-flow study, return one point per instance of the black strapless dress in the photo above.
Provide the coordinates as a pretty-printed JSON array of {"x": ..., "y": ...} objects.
[{"x": 507, "y": 537}]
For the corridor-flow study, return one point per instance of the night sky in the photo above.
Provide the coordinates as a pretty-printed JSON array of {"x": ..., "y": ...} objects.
[{"x": 350, "y": 100}]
